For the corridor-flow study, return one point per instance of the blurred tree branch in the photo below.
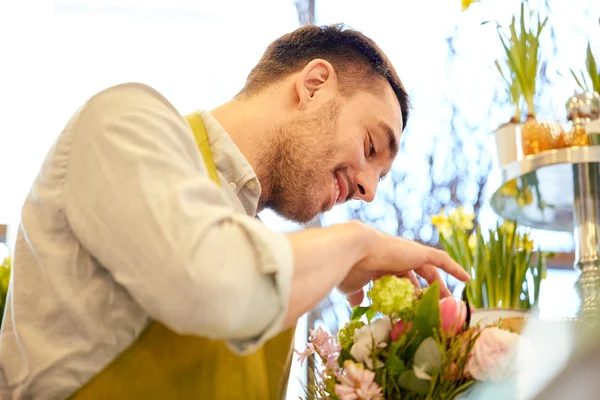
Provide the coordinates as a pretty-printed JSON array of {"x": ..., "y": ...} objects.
[{"x": 306, "y": 11}]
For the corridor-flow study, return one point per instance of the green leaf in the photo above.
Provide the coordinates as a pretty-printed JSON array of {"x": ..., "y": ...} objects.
[
  {"x": 427, "y": 314},
  {"x": 344, "y": 355},
  {"x": 449, "y": 249},
  {"x": 358, "y": 312},
  {"x": 370, "y": 314},
  {"x": 592, "y": 69},
  {"x": 409, "y": 381},
  {"x": 427, "y": 318},
  {"x": 428, "y": 356},
  {"x": 394, "y": 364},
  {"x": 581, "y": 83}
]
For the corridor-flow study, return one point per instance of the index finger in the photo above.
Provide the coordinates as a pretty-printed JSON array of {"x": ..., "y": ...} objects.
[
  {"x": 431, "y": 274},
  {"x": 442, "y": 260}
]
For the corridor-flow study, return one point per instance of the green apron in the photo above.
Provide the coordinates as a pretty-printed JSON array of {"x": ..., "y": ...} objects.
[{"x": 162, "y": 364}]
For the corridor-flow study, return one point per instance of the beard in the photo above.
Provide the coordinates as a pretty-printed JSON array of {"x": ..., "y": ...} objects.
[{"x": 298, "y": 164}]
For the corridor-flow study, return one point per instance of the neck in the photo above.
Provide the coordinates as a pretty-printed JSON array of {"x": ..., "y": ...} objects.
[{"x": 250, "y": 122}]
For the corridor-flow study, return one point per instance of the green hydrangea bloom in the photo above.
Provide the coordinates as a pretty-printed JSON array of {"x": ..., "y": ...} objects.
[
  {"x": 346, "y": 334},
  {"x": 392, "y": 295}
]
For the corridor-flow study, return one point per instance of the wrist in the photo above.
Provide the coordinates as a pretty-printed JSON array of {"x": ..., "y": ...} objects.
[{"x": 361, "y": 238}]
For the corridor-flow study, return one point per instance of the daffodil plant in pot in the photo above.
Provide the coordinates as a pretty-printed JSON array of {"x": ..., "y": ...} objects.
[
  {"x": 506, "y": 272},
  {"x": 520, "y": 69},
  {"x": 522, "y": 49},
  {"x": 506, "y": 134}
]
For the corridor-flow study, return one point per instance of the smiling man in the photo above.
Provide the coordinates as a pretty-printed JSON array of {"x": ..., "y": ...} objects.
[{"x": 140, "y": 269}]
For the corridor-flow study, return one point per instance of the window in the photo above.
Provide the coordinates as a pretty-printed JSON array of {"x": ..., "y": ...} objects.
[{"x": 197, "y": 53}]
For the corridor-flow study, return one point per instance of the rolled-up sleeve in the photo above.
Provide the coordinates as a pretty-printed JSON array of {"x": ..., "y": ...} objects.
[{"x": 138, "y": 197}]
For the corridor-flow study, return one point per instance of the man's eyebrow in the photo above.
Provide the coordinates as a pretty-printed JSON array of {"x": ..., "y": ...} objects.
[{"x": 392, "y": 141}]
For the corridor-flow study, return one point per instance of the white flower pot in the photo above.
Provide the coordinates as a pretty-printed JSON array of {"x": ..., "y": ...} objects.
[
  {"x": 507, "y": 143},
  {"x": 489, "y": 316}
]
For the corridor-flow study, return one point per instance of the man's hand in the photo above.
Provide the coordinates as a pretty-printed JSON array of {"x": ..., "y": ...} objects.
[
  {"x": 388, "y": 255},
  {"x": 352, "y": 254}
]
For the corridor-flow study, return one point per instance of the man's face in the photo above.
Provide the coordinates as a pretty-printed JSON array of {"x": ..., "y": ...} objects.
[{"x": 334, "y": 151}]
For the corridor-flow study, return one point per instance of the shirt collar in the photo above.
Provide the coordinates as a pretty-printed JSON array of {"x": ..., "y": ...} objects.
[{"x": 231, "y": 163}]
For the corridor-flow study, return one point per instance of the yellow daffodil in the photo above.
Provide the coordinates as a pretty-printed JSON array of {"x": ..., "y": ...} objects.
[
  {"x": 526, "y": 243},
  {"x": 442, "y": 223},
  {"x": 439, "y": 219},
  {"x": 525, "y": 198},
  {"x": 510, "y": 189},
  {"x": 472, "y": 242},
  {"x": 508, "y": 226},
  {"x": 467, "y": 3},
  {"x": 462, "y": 220}
]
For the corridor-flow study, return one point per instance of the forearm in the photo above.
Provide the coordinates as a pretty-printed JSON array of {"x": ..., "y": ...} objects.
[{"x": 322, "y": 259}]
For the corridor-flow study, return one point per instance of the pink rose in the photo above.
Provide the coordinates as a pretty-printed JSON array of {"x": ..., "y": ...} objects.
[
  {"x": 399, "y": 329},
  {"x": 492, "y": 355},
  {"x": 454, "y": 315}
]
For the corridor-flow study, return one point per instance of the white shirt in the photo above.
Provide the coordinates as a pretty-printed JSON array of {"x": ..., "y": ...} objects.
[{"x": 123, "y": 225}]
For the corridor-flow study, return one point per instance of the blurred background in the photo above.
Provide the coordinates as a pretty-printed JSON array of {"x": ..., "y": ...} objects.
[{"x": 55, "y": 55}]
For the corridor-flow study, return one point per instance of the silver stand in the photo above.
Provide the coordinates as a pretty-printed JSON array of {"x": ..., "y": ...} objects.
[
  {"x": 586, "y": 231},
  {"x": 565, "y": 188}
]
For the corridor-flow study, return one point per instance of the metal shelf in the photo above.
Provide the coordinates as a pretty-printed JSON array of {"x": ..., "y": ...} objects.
[{"x": 549, "y": 177}]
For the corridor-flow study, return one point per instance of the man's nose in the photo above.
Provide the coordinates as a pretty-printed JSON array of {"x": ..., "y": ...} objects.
[{"x": 367, "y": 187}]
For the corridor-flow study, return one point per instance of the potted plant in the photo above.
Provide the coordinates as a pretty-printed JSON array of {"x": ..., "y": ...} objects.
[
  {"x": 522, "y": 50},
  {"x": 506, "y": 134},
  {"x": 506, "y": 271}
]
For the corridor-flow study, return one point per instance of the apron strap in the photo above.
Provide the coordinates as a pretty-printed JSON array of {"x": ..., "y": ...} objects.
[{"x": 195, "y": 122}]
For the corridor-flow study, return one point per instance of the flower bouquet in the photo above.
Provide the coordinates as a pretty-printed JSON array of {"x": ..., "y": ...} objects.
[{"x": 408, "y": 344}]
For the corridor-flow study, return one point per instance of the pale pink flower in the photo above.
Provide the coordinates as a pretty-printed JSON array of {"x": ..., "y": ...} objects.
[
  {"x": 492, "y": 356},
  {"x": 303, "y": 355},
  {"x": 332, "y": 361},
  {"x": 454, "y": 315},
  {"x": 325, "y": 346},
  {"x": 320, "y": 338},
  {"x": 357, "y": 383}
]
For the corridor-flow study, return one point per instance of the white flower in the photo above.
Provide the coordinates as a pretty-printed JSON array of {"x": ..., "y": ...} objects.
[
  {"x": 378, "y": 329},
  {"x": 377, "y": 332},
  {"x": 493, "y": 355}
]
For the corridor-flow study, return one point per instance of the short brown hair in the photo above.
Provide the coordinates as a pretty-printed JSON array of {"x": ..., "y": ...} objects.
[{"x": 355, "y": 58}]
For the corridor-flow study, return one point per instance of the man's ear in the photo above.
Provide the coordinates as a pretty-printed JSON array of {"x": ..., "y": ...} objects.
[{"x": 316, "y": 79}]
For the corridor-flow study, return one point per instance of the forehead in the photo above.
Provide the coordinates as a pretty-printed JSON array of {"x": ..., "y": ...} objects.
[{"x": 376, "y": 107}]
